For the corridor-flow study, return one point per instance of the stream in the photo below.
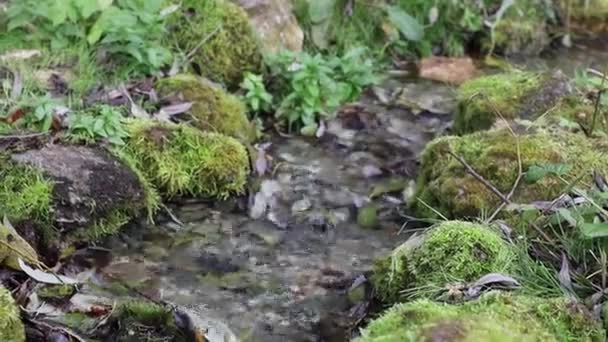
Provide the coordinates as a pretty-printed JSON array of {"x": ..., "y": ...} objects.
[{"x": 287, "y": 262}]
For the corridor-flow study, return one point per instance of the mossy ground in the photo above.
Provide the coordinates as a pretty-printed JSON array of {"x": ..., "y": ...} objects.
[
  {"x": 493, "y": 317},
  {"x": 11, "y": 328},
  {"x": 453, "y": 251},
  {"x": 483, "y": 100},
  {"x": 137, "y": 321},
  {"x": 230, "y": 46},
  {"x": 445, "y": 185},
  {"x": 213, "y": 108},
  {"x": 181, "y": 160}
]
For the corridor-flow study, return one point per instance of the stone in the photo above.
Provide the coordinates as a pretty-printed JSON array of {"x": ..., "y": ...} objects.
[{"x": 275, "y": 23}]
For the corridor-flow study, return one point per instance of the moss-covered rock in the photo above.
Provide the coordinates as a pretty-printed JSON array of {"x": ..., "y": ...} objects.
[
  {"x": 453, "y": 251},
  {"x": 181, "y": 160},
  {"x": 138, "y": 321},
  {"x": 11, "y": 328},
  {"x": 516, "y": 94},
  {"x": 221, "y": 37},
  {"x": 445, "y": 185},
  {"x": 213, "y": 108},
  {"x": 585, "y": 15},
  {"x": 522, "y": 29},
  {"x": 493, "y": 317}
]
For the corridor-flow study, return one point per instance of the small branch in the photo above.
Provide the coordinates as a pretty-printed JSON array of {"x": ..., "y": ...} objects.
[
  {"x": 23, "y": 136},
  {"x": 483, "y": 181}
]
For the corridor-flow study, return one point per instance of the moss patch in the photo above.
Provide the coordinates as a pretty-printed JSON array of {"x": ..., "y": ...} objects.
[
  {"x": 453, "y": 251},
  {"x": 522, "y": 30},
  {"x": 445, "y": 185},
  {"x": 230, "y": 46},
  {"x": 11, "y": 328},
  {"x": 213, "y": 108},
  {"x": 145, "y": 322},
  {"x": 181, "y": 160},
  {"x": 482, "y": 98},
  {"x": 494, "y": 317},
  {"x": 24, "y": 192}
]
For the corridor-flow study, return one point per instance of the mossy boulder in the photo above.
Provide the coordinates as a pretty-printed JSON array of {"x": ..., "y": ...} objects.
[
  {"x": 522, "y": 29},
  {"x": 445, "y": 185},
  {"x": 586, "y": 16},
  {"x": 139, "y": 321},
  {"x": 220, "y": 36},
  {"x": 485, "y": 100},
  {"x": 182, "y": 160},
  {"x": 453, "y": 251},
  {"x": 77, "y": 192},
  {"x": 213, "y": 108},
  {"x": 11, "y": 328},
  {"x": 493, "y": 317}
]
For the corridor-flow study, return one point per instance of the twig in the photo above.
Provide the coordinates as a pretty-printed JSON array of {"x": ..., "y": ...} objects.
[
  {"x": 597, "y": 105},
  {"x": 483, "y": 181},
  {"x": 171, "y": 215},
  {"x": 52, "y": 327},
  {"x": 22, "y": 136},
  {"x": 192, "y": 52}
]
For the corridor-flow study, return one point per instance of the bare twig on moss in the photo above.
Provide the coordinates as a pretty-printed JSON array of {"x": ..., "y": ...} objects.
[
  {"x": 480, "y": 178},
  {"x": 171, "y": 215},
  {"x": 194, "y": 50},
  {"x": 598, "y": 101}
]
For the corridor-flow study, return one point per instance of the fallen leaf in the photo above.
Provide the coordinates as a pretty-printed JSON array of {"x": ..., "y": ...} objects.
[
  {"x": 166, "y": 112},
  {"x": 451, "y": 70},
  {"x": 44, "y": 277}
]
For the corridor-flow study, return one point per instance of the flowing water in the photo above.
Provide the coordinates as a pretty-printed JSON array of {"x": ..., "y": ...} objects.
[{"x": 283, "y": 275}]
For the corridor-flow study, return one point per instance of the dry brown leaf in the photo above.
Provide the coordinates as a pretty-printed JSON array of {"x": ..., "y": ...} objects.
[{"x": 447, "y": 69}]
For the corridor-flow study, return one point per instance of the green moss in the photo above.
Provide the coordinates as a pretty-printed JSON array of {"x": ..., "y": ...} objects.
[
  {"x": 453, "y": 251},
  {"x": 367, "y": 217},
  {"x": 460, "y": 251},
  {"x": 522, "y": 30},
  {"x": 494, "y": 317},
  {"x": 139, "y": 321},
  {"x": 213, "y": 108},
  {"x": 56, "y": 291},
  {"x": 229, "y": 46},
  {"x": 24, "y": 192},
  {"x": 392, "y": 275},
  {"x": 11, "y": 328},
  {"x": 446, "y": 186},
  {"x": 480, "y": 99},
  {"x": 181, "y": 160}
]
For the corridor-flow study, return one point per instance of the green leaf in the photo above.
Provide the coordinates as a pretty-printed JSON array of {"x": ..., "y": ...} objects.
[
  {"x": 405, "y": 23},
  {"x": 537, "y": 172},
  {"x": 594, "y": 230}
]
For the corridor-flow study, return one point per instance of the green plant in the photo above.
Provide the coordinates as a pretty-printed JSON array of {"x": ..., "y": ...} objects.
[
  {"x": 104, "y": 122},
  {"x": 256, "y": 97},
  {"x": 40, "y": 116},
  {"x": 311, "y": 87},
  {"x": 132, "y": 29}
]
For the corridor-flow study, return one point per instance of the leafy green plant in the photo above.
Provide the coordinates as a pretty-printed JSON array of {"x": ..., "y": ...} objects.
[
  {"x": 40, "y": 115},
  {"x": 104, "y": 122},
  {"x": 256, "y": 97},
  {"x": 124, "y": 28},
  {"x": 311, "y": 87}
]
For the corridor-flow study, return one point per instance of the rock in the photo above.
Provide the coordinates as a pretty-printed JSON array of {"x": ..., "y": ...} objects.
[
  {"x": 87, "y": 187},
  {"x": 301, "y": 206},
  {"x": 11, "y": 328},
  {"x": 213, "y": 108},
  {"x": 275, "y": 24},
  {"x": 230, "y": 46},
  {"x": 522, "y": 30},
  {"x": 181, "y": 160},
  {"x": 514, "y": 318},
  {"x": 484, "y": 100},
  {"x": 452, "y": 251},
  {"x": 445, "y": 185}
]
